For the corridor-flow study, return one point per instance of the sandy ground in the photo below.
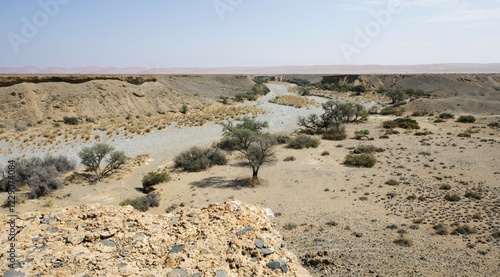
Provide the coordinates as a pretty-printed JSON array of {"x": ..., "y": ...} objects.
[{"x": 317, "y": 199}]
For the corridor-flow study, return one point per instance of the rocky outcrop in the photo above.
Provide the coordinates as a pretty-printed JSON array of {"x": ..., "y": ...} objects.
[{"x": 228, "y": 239}]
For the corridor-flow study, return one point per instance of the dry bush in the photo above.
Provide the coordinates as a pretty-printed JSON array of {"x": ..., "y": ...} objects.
[
  {"x": 153, "y": 178},
  {"x": 143, "y": 203},
  {"x": 360, "y": 160},
  {"x": 41, "y": 175},
  {"x": 198, "y": 159},
  {"x": 466, "y": 119},
  {"x": 303, "y": 141}
]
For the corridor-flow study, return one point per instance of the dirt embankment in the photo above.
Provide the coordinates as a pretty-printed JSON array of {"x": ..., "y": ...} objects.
[
  {"x": 10, "y": 80},
  {"x": 36, "y": 100},
  {"x": 461, "y": 93}
]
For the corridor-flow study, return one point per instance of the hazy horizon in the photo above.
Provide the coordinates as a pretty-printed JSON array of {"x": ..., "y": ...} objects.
[{"x": 239, "y": 33}]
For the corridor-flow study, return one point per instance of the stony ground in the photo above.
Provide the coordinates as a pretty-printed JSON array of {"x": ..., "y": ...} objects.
[{"x": 229, "y": 239}]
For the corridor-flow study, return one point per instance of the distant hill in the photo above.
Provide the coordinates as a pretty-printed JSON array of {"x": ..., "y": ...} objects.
[{"x": 314, "y": 69}]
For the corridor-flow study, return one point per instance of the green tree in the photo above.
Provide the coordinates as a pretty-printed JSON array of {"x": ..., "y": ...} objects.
[
  {"x": 94, "y": 156},
  {"x": 256, "y": 147},
  {"x": 396, "y": 96}
]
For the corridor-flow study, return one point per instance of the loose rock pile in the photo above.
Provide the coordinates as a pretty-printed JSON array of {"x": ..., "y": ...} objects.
[{"x": 229, "y": 239}]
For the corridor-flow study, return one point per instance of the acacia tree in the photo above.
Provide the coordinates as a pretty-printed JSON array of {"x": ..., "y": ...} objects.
[
  {"x": 256, "y": 147},
  {"x": 396, "y": 96},
  {"x": 335, "y": 112},
  {"x": 93, "y": 156}
]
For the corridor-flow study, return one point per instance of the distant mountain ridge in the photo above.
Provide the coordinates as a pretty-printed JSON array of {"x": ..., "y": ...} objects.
[{"x": 314, "y": 69}]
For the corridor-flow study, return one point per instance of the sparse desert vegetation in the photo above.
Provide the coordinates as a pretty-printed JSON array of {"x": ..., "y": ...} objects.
[{"x": 424, "y": 185}]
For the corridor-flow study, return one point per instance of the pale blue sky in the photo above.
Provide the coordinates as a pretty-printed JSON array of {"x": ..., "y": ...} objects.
[{"x": 189, "y": 33}]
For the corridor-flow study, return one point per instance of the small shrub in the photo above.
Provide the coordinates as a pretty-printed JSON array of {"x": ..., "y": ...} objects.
[
  {"x": 392, "y": 182},
  {"x": 446, "y": 116},
  {"x": 184, "y": 108},
  {"x": 360, "y": 160},
  {"x": 198, "y": 159},
  {"x": 390, "y": 124},
  {"x": 359, "y": 134},
  {"x": 445, "y": 187},
  {"x": 290, "y": 226},
  {"x": 496, "y": 234},
  {"x": 403, "y": 242},
  {"x": 411, "y": 197},
  {"x": 494, "y": 124},
  {"x": 282, "y": 138},
  {"x": 153, "y": 199},
  {"x": 325, "y": 153},
  {"x": 331, "y": 223},
  {"x": 407, "y": 123},
  {"x": 392, "y": 132},
  {"x": 392, "y": 226},
  {"x": 463, "y": 230},
  {"x": 363, "y": 198},
  {"x": 452, "y": 197},
  {"x": 370, "y": 149},
  {"x": 473, "y": 195},
  {"x": 224, "y": 99},
  {"x": 464, "y": 135},
  {"x": 142, "y": 203},
  {"x": 466, "y": 119},
  {"x": 336, "y": 133},
  {"x": 69, "y": 120},
  {"x": 391, "y": 194},
  {"x": 13, "y": 93},
  {"x": 441, "y": 229},
  {"x": 303, "y": 141},
  {"x": 289, "y": 159},
  {"x": 424, "y": 133},
  {"x": 477, "y": 216},
  {"x": 153, "y": 178},
  {"x": 439, "y": 120},
  {"x": 138, "y": 203}
]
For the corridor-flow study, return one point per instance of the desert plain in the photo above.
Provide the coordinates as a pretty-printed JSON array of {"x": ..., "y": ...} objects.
[{"x": 395, "y": 218}]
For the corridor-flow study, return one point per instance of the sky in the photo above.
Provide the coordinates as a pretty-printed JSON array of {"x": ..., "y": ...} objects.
[{"x": 247, "y": 33}]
